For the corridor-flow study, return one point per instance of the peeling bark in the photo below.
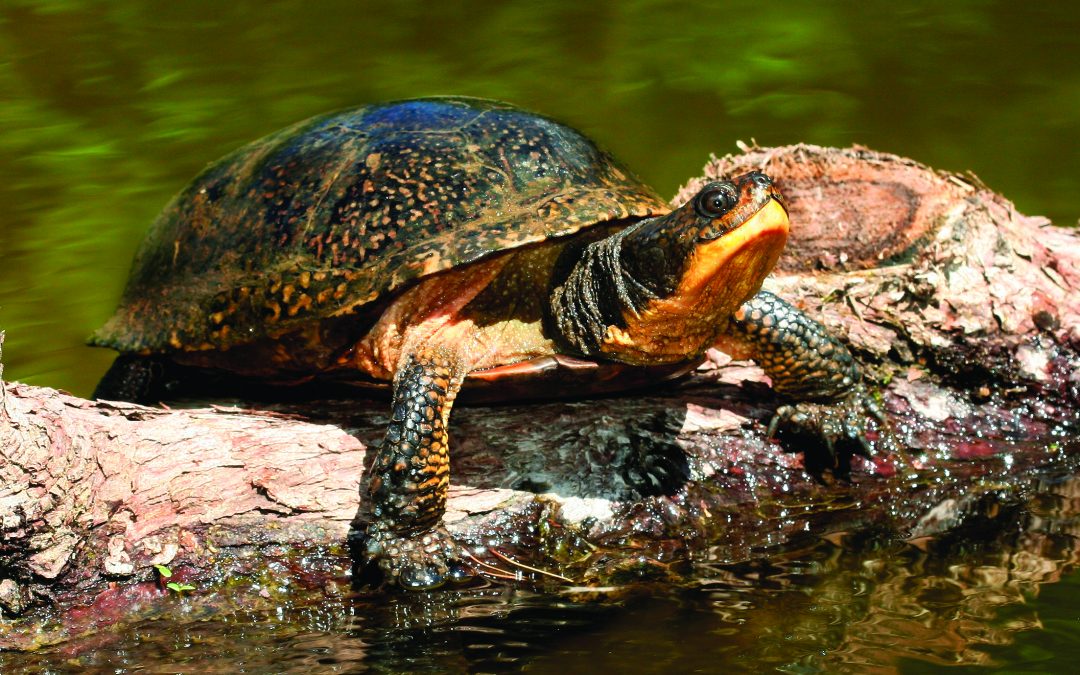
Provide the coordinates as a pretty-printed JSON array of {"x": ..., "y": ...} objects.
[{"x": 970, "y": 311}]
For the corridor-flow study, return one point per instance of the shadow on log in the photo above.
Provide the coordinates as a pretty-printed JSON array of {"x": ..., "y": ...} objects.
[{"x": 966, "y": 311}]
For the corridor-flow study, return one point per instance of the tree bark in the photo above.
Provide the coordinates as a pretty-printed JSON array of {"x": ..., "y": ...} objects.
[{"x": 968, "y": 310}]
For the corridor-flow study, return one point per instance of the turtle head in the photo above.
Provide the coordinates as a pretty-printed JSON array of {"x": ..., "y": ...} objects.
[{"x": 662, "y": 290}]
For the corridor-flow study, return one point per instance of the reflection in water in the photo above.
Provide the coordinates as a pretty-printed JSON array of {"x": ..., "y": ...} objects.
[{"x": 863, "y": 602}]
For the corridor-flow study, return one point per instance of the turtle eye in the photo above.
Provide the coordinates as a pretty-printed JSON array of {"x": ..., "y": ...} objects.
[{"x": 715, "y": 200}]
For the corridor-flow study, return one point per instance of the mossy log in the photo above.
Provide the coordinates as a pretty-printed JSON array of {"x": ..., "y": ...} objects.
[{"x": 966, "y": 313}]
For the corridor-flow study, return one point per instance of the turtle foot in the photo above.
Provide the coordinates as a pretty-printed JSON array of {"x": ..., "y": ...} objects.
[
  {"x": 853, "y": 425},
  {"x": 418, "y": 562}
]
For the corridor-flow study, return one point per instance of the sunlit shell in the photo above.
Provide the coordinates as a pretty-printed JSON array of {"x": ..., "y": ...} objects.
[{"x": 326, "y": 216}]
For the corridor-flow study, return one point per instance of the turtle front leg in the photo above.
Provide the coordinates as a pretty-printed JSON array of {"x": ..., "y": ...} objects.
[
  {"x": 411, "y": 475},
  {"x": 811, "y": 368}
]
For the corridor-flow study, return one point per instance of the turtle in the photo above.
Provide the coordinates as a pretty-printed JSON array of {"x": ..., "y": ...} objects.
[{"x": 433, "y": 244}]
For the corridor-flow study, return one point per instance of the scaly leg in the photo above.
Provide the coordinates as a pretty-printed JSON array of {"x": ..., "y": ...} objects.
[
  {"x": 810, "y": 367},
  {"x": 411, "y": 474}
]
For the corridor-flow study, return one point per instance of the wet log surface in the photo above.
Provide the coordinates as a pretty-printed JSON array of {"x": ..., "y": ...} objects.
[{"x": 965, "y": 311}]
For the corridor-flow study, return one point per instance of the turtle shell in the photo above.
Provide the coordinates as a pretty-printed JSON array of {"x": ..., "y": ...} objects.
[{"x": 325, "y": 217}]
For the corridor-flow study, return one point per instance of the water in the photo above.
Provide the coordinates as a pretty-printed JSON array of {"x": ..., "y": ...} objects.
[{"x": 107, "y": 109}]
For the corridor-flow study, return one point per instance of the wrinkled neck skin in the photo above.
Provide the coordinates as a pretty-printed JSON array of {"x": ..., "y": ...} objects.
[
  {"x": 607, "y": 283},
  {"x": 659, "y": 292}
]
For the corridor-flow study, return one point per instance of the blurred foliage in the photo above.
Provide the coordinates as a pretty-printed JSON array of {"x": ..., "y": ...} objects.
[{"x": 107, "y": 108}]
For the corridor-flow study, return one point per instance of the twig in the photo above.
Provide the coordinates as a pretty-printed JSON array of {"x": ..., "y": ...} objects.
[
  {"x": 523, "y": 566},
  {"x": 497, "y": 574}
]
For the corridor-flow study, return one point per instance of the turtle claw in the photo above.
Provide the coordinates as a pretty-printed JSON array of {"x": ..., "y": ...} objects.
[
  {"x": 840, "y": 426},
  {"x": 419, "y": 562}
]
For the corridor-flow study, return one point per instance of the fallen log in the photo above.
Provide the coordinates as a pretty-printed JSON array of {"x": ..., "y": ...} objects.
[{"x": 967, "y": 311}]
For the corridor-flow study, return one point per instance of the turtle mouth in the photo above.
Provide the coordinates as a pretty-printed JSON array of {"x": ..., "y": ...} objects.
[
  {"x": 779, "y": 199},
  {"x": 769, "y": 223}
]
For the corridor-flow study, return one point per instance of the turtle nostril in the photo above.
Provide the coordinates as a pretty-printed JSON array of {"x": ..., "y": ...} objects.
[{"x": 760, "y": 179}]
